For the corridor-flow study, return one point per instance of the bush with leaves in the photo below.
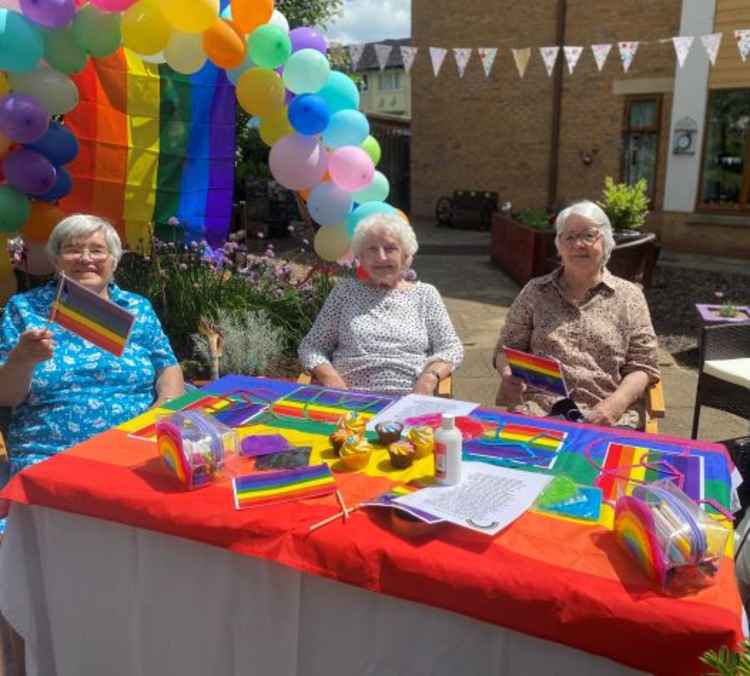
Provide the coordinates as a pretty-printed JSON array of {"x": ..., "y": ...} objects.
[
  {"x": 625, "y": 205},
  {"x": 534, "y": 218},
  {"x": 726, "y": 662}
]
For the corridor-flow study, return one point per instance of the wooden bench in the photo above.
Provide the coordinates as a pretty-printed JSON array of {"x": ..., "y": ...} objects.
[{"x": 466, "y": 209}]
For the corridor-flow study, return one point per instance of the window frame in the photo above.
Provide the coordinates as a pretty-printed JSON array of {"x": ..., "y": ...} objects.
[{"x": 656, "y": 129}]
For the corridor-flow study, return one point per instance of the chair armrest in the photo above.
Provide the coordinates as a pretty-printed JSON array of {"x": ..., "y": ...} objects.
[
  {"x": 3, "y": 449},
  {"x": 655, "y": 401},
  {"x": 304, "y": 379},
  {"x": 445, "y": 387},
  {"x": 725, "y": 341}
]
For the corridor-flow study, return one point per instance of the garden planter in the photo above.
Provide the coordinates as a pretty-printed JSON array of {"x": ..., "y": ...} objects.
[
  {"x": 712, "y": 314},
  {"x": 522, "y": 252}
]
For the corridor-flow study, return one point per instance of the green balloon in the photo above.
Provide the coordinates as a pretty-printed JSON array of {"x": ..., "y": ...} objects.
[
  {"x": 96, "y": 31},
  {"x": 62, "y": 52},
  {"x": 21, "y": 44},
  {"x": 269, "y": 46},
  {"x": 14, "y": 209},
  {"x": 371, "y": 146}
]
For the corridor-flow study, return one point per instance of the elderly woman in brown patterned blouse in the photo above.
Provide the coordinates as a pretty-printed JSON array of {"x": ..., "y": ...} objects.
[{"x": 597, "y": 325}]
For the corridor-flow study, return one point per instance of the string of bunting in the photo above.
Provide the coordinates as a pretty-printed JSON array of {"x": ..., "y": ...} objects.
[{"x": 549, "y": 54}]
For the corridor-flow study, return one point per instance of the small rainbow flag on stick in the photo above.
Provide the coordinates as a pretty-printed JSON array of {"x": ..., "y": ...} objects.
[
  {"x": 543, "y": 373},
  {"x": 267, "y": 488},
  {"x": 90, "y": 316}
]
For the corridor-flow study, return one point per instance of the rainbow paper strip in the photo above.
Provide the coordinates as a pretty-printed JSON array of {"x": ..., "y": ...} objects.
[
  {"x": 154, "y": 144},
  {"x": 101, "y": 322},
  {"x": 543, "y": 373},
  {"x": 266, "y": 488},
  {"x": 635, "y": 531}
]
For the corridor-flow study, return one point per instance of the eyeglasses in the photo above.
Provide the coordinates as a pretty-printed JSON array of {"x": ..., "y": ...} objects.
[
  {"x": 589, "y": 238},
  {"x": 96, "y": 254}
]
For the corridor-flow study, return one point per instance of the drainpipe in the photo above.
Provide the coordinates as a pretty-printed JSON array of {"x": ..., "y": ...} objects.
[{"x": 554, "y": 155}]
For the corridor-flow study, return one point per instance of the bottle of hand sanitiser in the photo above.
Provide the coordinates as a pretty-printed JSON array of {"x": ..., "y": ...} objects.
[{"x": 448, "y": 448}]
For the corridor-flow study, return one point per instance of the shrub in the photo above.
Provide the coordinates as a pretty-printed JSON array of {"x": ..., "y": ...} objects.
[
  {"x": 626, "y": 205},
  {"x": 534, "y": 218}
]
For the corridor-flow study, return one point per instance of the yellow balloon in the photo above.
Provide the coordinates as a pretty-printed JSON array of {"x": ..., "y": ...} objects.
[
  {"x": 184, "y": 53},
  {"x": 260, "y": 91},
  {"x": 5, "y": 144},
  {"x": 275, "y": 126},
  {"x": 190, "y": 16},
  {"x": 4, "y": 84},
  {"x": 331, "y": 242},
  {"x": 144, "y": 28}
]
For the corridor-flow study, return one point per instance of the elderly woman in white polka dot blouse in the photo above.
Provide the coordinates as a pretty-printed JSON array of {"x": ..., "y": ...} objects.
[{"x": 383, "y": 334}]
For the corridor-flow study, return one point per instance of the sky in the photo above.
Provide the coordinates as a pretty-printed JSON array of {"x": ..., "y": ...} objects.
[{"x": 371, "y": 21}]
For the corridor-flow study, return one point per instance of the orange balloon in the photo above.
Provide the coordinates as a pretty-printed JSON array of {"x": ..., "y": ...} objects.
[
  {"x": 5, "y": 144},
  {"x": 224, "y": 44},
  {"x": 44, "y": 217},
  {"x": 249, "y": 14},
  {"x": 403, "y": 216},
  {"x": 304, "y": 194}
]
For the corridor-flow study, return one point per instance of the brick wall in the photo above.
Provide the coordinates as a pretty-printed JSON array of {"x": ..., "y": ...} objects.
[{"x": 494, "y": 134}]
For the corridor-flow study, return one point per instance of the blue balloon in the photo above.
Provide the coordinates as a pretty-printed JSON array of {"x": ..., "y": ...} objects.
[
  {"x": 328, "y": 204},
  {"x": 339, "y": 92},
  {"x": 308, "y": 114},
  {"x": 235, "y": 74},
  {"x": 365, "y": 210},
  {"x": 57, "y": 144},
  {"x": 21, "y": 42},
  {"x": 346, "y": 128},
  {"x": 63, "y": 186}
]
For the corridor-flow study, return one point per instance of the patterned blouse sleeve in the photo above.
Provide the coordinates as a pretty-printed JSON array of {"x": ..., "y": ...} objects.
[
  {"x": 318, "y": 345},
  {"x": 519, "y": 323},
  {"x": 11, "y": 328},
  {"x": 445, "y": 345},
  {"x": 642, "y": 354},
  {"x": 162, "y": 354}
]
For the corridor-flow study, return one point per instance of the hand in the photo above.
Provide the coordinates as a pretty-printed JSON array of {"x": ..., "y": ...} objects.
[
  {"x": 333, "y": 380},
  {"x": 511, "y": 387},
  {"x": 33, "y": 346},
  {"x": 426, "y": 384},
  {"x": 607, "y": 412}
]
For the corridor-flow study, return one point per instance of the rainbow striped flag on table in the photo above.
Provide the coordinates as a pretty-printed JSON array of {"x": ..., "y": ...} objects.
[
  {"x": 101, "y": 322},
  {"x": 543, "y": 373},
  {"x": 266, "y": 488}
]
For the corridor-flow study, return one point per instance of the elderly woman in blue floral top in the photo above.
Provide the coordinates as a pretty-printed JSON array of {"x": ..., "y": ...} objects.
[{"x": 62, "y": 388}]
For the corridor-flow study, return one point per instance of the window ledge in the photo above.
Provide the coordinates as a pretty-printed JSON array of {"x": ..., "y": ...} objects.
[{"x": 729, "y": 220}]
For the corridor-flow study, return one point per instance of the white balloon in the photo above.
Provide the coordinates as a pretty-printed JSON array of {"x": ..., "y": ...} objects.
[
  {"x": 184, "y": 52},
  {"x": 55, "y": 91},
  {"x": 278, "y": 19},
  {"x": 154, "y": 58},
  {"x": 13, "y": 5}
]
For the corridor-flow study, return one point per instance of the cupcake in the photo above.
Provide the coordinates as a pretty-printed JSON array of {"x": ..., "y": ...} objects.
[
  {"x": 352, "y": 423},
  {"x": 338, "y": 437},
  {"x": 389, "y": 432},
  {"x": 423, "y": 438},
  {"x": 402, "y": 454},
  {"x": 355, "y": 453}
]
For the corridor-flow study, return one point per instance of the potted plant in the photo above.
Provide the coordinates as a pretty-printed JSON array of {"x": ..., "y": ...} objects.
[
  {"x": 723, "y": 311},
  {"x": 523, "y": 243}
]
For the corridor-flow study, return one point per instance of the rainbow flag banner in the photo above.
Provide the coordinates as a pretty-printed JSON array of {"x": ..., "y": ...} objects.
[
  {"x": 542, "y": 373},
  {"x": 267, "y": 488},
  {"x": 101, "y": 322},
  {"x": 154, "y": 144}
]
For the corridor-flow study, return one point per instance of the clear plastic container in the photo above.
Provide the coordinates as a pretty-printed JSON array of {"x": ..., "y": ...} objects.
[{"x": 195, "y": 446}]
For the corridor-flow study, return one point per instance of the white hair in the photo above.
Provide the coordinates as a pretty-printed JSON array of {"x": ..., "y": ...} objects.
[
  {"x": 390, "y": 224},
  {"x": 79, "y": 226},
  {"x": 591, "y": 212}
]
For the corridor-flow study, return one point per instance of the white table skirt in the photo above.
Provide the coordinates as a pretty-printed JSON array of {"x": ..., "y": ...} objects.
[{"x": 95, "y": 598}]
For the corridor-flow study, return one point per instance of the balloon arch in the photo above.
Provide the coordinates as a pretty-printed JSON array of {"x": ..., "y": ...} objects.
[{"x": 306, "y": 112}]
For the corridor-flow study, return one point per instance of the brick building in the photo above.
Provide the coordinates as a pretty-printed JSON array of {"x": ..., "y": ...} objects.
[{"x": 543, "y": 141}]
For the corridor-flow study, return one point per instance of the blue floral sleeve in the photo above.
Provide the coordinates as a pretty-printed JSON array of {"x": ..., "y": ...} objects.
[{"x": 11, "y": 328}]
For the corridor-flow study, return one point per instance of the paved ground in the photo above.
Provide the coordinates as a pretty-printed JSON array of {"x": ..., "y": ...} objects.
[{"x": 478, "y": 295}]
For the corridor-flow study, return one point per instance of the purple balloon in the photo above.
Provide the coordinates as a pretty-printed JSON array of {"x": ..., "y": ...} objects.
[
  {"x": 49, "y": 13},
  {"x": 308, "y": 38},
  {"x": 22, "y": 118},
  {"x": 29, "y": 172},
  {"x": 288, "y": 97}
]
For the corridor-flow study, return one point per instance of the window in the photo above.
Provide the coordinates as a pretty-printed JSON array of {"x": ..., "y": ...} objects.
[
  {"x": 725, "y": 180},
  {"x": 390, "y": 80},
  {"x": 363, "y": 83},
  {"x": 641, "y": 140}
]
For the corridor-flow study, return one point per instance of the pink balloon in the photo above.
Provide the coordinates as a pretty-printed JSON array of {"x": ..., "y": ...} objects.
[
  {"x": 113, "y": 5},
  {"x": 298, "y": 162},
  {"x": 351, "y": 168}
]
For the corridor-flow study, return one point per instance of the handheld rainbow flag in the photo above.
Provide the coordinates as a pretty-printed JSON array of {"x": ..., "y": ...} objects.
[
  {"x": 267, "y": 488},
  {"x": 95, "y": 319},
  {"x": 543, "y": 373}
]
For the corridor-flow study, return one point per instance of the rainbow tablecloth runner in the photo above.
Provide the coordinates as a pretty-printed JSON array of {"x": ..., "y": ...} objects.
[{"x": 548, "y": 576}]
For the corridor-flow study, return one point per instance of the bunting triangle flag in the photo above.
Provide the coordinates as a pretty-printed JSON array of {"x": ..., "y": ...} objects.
[
  {"x": 549, "y": 56},
  {"x": 462, "y": 56},
  {"x": 437, "y": 56},
  {"x": 383, "y": 53},
  {"x": 355, "y": 54},
  {"x": 711, "y": 43},
  {"x": 522, "y": 57},
  {"x": 408, "y": 54},
  {"x": 743, "y": 42},
  {"x": 572, "y": 54},
  {"x": 601, "y": 52},
  {"x": 627, "y": 53},
  {"x": 487, "y": 56},
  {"x": 682, "y": 45}
]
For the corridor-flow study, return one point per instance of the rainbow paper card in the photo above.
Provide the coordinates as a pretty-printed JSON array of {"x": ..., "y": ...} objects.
[
  {"x": 542, "y": 373},
  {"x": 267, "y": 488}
]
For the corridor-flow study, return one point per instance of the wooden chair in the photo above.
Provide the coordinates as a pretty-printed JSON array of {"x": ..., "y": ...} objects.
[
  {"x": 655, "y": 408},
  {"x": 724, "y": 371},
  {"x": 444, "y": 388}
]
